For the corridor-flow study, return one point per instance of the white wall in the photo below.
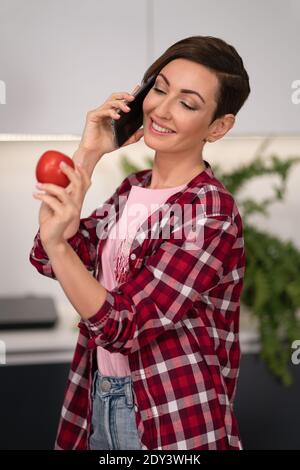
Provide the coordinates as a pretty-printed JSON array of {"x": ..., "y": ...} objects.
[
  {"x": 61, "y": 58},
  {"x": 265, "y": 34},
  {"x": 19, "y": 210}
]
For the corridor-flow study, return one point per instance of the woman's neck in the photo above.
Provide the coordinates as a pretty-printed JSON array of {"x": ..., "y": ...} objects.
[{"x": 171, "y": 174}]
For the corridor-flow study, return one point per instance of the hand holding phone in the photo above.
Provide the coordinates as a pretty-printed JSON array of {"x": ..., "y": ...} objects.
[{"x": 129, "y": 122}]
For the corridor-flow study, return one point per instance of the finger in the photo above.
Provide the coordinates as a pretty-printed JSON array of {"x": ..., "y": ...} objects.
[
  {"x": 110, "y": 108},
  {"x": 70, "y": 172},
  {"x": 68, "y": 189},
  {"x": 124, "y": 95},
  {"x": 51, "y": 201},
  {"x": 135, "y": 89},
  {"x": 58, "y": 191},
  {"x": 134, "y": 138},
  {"x": 84, "y": 182},
  {"x": 139, "y": 134},
  {"x": 121, "y": 96},
  {"x": 119, "y": 105},
  {"x": 115, "y": 96},
  {"x": 84, "y": 175}
]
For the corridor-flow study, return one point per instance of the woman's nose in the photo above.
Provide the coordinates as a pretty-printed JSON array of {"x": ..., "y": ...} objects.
[{"x": 163, "y": 110}]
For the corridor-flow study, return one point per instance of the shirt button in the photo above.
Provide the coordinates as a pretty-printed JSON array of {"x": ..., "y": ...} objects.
[
  {"x": 133, "y": 256},
  {"x": 105, "y": 385}
]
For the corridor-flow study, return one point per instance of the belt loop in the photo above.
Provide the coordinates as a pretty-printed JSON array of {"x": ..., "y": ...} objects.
[{"x": 129, "y": 394}]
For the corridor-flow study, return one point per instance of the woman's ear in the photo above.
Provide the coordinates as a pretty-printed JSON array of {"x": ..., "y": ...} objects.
[{"x": 220, "y": 127}]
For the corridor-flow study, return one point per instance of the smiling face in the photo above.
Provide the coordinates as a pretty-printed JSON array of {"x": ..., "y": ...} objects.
[{"x": 169, "y": 107}]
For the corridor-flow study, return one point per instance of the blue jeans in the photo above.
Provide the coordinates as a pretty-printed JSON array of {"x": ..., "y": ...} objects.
[{"x": 113, "y": 424}]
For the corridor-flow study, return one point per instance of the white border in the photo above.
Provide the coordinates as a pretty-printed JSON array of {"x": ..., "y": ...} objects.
[
  {"x": 37, "y": 137},
  {"x": 72, "y": 137}
]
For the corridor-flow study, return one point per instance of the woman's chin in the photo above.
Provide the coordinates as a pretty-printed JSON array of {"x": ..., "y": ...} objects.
[{"x": 153, "y": 144}]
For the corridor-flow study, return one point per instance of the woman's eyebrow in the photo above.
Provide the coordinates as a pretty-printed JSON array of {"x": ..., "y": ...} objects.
[{"x": 182, "y": 90}]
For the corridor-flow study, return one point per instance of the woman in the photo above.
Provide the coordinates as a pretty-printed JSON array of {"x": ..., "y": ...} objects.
[{"x": 157, "y": 357}]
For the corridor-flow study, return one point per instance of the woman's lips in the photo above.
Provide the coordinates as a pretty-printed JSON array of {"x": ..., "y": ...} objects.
[{"x": 154, "y": 131}]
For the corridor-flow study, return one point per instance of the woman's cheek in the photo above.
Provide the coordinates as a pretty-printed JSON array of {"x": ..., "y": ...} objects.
[{"x": 146, "y": 104}]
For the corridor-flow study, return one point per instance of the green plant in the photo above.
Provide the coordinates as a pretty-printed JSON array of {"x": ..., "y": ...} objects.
[{"x": 272, "y": 278}]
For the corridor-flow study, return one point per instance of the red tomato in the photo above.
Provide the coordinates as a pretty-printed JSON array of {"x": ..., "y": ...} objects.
[{"x": 48, "y": 170}]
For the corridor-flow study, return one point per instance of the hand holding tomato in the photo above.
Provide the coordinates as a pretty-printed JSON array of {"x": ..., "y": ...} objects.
[{"x": 59, "y": 215}]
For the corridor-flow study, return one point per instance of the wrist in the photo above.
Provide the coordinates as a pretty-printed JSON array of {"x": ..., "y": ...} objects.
[
  {"x": 55, "y": 249},
  {"x": 87, "y": 158}
]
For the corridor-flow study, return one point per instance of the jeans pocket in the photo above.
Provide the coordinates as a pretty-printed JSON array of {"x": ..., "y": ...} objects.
[
  {"x": 121, "y": 403},
  {"x": 129, "y": 397}
]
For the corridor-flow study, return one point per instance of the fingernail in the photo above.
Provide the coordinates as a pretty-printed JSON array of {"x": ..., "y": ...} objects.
[
  {"x": 62, "y": 165},
  {"x": 39, "y": 185},
  {"x": 137, "y": 86}
]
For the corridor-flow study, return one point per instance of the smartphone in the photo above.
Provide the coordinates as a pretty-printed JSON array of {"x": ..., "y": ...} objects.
[{"x": 130, "y": 122}]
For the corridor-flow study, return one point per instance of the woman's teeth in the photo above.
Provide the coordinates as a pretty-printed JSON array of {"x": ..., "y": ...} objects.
[{"x": 161, "y": 129}]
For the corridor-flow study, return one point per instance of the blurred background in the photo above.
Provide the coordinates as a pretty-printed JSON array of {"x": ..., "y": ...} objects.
[{"x": 60, "y": 59}]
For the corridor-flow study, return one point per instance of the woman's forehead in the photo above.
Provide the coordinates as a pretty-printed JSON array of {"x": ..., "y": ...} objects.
[{"x": 185, "y": 74}]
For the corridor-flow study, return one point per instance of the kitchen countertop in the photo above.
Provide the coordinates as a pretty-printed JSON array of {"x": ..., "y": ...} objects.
[
  {"x": 57, "y": 344},
  {"x": 43, "y": 345}
]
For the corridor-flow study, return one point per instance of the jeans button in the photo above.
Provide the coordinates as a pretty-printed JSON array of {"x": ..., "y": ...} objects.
[{"x": 105, "y": 385}]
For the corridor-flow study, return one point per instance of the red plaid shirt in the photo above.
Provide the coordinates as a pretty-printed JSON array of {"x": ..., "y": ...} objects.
[{"x": 176, "y": 317}]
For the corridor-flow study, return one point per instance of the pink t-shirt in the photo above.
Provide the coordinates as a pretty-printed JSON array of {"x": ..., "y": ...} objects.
[{"x": 140, "y": 204}]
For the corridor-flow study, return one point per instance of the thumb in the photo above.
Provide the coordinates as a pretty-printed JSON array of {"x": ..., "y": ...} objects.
[
  {"x": 135, "y": 89},
  {"x": 139, "y": 134},
  {"x": 134, "y": 138}
]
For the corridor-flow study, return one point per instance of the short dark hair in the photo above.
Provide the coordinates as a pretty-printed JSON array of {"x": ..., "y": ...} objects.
[{"x": 222, "y": 59}]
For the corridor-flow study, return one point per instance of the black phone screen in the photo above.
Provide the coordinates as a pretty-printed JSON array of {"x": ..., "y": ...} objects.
[{"x": 130, "y": 122}]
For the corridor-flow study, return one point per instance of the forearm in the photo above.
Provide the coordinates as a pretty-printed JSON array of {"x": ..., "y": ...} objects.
[
  {"x": 87, "y": 158},
  {"x": 84, "y": 292}
]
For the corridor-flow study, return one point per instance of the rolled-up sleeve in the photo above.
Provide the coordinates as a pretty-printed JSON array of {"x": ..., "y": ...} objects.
[
  {"x": 165, "y": 288},
  {"x": 84, "y": 243}
]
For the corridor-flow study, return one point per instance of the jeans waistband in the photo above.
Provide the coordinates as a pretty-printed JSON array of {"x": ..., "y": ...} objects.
[{"x": 105, "y": 386}]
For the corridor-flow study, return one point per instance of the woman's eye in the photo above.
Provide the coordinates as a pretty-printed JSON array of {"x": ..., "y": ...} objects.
[
  {"x": 156, "y": 89},
  {"x": 184, "y": 104},
  {"x": 187, "y": 106}
]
